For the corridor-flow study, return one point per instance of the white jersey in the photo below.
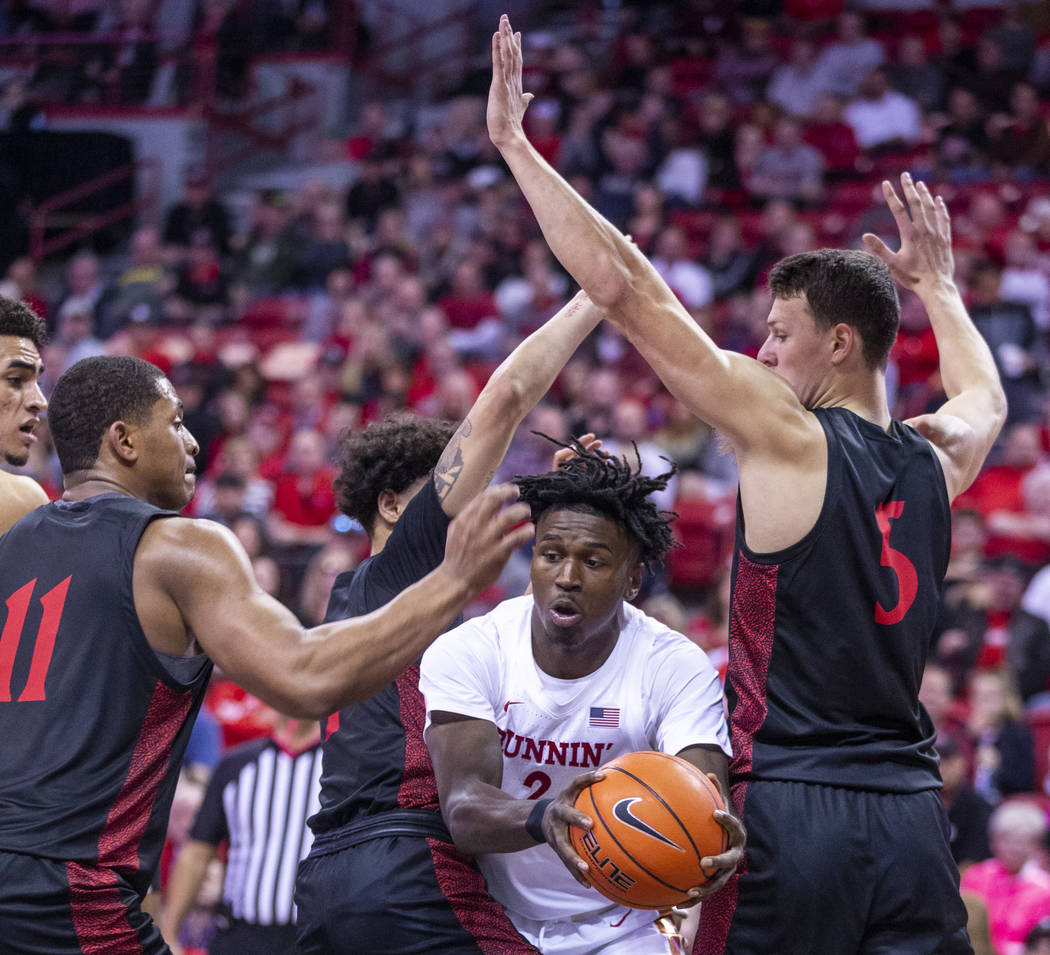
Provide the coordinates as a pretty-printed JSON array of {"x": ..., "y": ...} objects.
[{"x": 656, "y": 690}]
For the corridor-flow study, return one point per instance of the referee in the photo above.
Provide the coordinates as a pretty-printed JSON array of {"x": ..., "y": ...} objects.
[{"x": 258, "y": 799}]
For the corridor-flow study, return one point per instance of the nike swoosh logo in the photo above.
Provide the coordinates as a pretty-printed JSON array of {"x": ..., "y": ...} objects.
[
  {"x": 510, "y": 703},
  {"x": 622, "y": 811}
]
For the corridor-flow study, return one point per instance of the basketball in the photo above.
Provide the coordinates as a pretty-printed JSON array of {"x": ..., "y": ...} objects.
[{"x": 653, "y": 823}]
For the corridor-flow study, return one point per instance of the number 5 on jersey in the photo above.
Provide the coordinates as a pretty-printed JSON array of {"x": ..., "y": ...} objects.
[
  {"x": 17, "y": 608},
  {"x": 907, "y": 578}
]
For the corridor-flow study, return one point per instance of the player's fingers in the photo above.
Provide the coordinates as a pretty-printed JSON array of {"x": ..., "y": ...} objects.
[
  {"x": 896, "y": 206},
  {"x": 732, "y": 825},
  {"x": 944, "y": 221},
  {"x": 581, "y": 782},
  {"x": 877, "y": 247},
  {"x": 913, "y": 197}
]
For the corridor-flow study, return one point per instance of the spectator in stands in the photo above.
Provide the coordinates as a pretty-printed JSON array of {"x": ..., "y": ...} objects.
[
  {"x": 227, "y": 500},
  {"x": 201, "y": 285},
  {"x": 833, "y": 137},
  {"x": 1025, "y": 278},
  {"x": 1011, "y": 333},
  {"x": 847, "y": 61},
  {"x": 993, "y": 80},
  {"x": 197, "y": 212},
  {"x": 372, "y": 192},
  {"x": 468, "y": 301},
  {"x": 144, "y": 282},
  {"x": 303, "y": 501},
  {"x": 742, "y": 69},
  {"x": 631, "y": 431},
  {"x": 1025, "y": 533},
  {"x": 718, "y": 141},
  {"x": 796, "y": 84},
  {"x": 969, "y": 537},
  {"x": 916, "y": 76},
  {"x": 989, "y": 629},
  {"x": 936, "y": 695},
  {"x": 264, "y": 255},
  {"x": 323, "y": 247},
  {"x": 84, "y": 280},
  {"x": 688, "y": 279},
  {"x": 968, "y": 811},
  {"x": 729, "y": 263},
  {"x": 682, "y": 174},
  {"x": 73, "y": 337},
  {"x": 883, "y": 119},
  {"x": 1036, "y": 598},
  {"x": 1016, "y": 891},
  {"x": 1019, "y": 139},
  {"x": 962, "y": 143},
  {"x": 788, "y": 168},
  {"x": 328, "y": 563},
  {"x": 1003, "y": 749},
  {"x": 121, "y": 68}
]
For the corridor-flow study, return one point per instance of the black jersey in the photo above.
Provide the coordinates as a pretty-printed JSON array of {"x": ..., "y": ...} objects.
[
  {"x": 94, "y": 726},
  {"x": 375, "y": 759},
  {"x": 828, "y": 638}
]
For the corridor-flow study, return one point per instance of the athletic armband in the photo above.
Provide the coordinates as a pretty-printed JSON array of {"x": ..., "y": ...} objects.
[{"x": 534, "y": 824}]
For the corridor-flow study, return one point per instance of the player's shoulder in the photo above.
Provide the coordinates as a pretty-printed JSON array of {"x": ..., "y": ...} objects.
[
  {"x": 659, "y": 645},
  {"x": 495, "y": 633},
  {"x": 18, "y": 496}
]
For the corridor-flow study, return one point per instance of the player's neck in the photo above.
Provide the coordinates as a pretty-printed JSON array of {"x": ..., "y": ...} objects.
[
  {"x": 80, "y": 485},
  {"x": 864, "y": 395}
]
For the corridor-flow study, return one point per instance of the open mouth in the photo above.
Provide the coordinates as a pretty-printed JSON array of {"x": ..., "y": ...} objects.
[
  {"x": 564, "y": 613},
  {"x": 29, "y": 429}
]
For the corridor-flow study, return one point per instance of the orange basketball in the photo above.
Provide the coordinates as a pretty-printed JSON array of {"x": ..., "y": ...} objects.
[{"x": 653, "y": 823}]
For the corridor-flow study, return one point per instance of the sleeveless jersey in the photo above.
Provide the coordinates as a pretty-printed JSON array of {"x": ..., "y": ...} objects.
[
  {"x": 94, "y": 726},
  {"x": 374, "y": 757},
  {"x": 828, "y": 637},
  {"x": 656, "y": 690}
]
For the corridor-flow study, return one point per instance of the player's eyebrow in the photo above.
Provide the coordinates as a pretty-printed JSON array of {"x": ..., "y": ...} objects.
[
  {"x": 557, "y": 538},
  {"x": 22, "y": 364}
]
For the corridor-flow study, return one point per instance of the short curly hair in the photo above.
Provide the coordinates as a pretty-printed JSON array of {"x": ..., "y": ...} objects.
[
  {"x": 391, "y": 454},
  {"x": 90, "y": 396},
  {"x": 596, "y": 483},
  {"x": 19, "y": 320}
]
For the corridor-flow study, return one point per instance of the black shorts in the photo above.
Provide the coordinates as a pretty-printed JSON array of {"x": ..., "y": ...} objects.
[
  {"x": 397, "y": 895},
  {"x": 56, "y": 908},
  {"x": 236, "y": 937},
  {"x": 832, "y": 871}
]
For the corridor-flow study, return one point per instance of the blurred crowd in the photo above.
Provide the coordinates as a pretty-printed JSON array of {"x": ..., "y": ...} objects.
[{"x": 721, "y": 139}]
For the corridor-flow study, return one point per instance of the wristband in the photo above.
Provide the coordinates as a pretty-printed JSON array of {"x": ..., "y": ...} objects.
[{"x": 534, "y": 824}]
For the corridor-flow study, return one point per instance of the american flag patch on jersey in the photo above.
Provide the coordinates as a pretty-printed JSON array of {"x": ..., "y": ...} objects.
[{"x": 604, "y": 716}]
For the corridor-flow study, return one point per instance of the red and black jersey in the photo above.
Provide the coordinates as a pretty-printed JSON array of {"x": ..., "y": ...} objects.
[
  {"x": 375, "y": 759},
  {"x": 828, "y": 637},
  {"x": 94, "y": 726}
]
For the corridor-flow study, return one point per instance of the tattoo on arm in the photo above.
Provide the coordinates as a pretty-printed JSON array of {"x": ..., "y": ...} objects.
[{"x": 450, "y": 464}]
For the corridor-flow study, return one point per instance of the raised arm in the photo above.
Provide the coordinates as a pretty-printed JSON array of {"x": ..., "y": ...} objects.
[
  {"x": 481, "y": 817},
  {"x": 193, "y": 578},
  {"x": 476, "y": 449},
  {"x": 964, "y": 428},
  {"x": 712, "y": 383}
]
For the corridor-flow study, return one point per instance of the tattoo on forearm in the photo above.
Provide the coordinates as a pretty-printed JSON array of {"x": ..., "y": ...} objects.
[{"x": 450, "y": 464}]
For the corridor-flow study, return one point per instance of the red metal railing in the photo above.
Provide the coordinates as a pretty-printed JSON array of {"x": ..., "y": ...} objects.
[{"x": 55, "y": 213}]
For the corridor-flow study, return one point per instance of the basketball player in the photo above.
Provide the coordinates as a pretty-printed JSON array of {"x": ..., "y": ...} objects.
[
  {"x": 383, "y": 875},
  {"x": 116, "y": 607},
  {"x": 521, "y": 700},
  {"x": 842, "y": 544},
  {"x": 22, "y": 337}
]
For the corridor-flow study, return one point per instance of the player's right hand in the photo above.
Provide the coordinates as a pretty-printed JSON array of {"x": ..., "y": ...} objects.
[
  {"x": 483, "y": 536},
  {"x": 561, "y": 814},
  {"x": 507, "y": 101}
]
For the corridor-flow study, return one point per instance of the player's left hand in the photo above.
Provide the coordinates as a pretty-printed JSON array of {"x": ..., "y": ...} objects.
[
  {"x": 726, "y": 862},
  {"x": 561, "y": 814}
]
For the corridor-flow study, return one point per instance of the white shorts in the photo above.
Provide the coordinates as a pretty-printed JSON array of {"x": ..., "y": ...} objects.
[{"x": 605, "y": 932}]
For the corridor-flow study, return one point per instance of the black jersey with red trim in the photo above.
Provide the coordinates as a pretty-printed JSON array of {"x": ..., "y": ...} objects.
[
  {"x": 828, "y": 637},
  {"x": 94, "y": 726},
  {"x": 375, "y": 759}
]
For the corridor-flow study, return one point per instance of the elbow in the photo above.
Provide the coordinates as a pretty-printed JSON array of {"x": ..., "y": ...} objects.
[
  {"x": 456, "y": 812},
  {"x": 610, "y": 284}
]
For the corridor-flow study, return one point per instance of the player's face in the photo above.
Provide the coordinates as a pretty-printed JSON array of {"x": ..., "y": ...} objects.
[
  {"x": 167, "y": 453},
  {"x": 795, "y": 350},
  {"x": 583, "y": 568},
  {"x": 21, "y": 400}
]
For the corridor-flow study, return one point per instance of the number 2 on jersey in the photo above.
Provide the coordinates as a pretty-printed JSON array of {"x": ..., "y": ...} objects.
[
  {"x": 907, "y": 578},
  {"x": 17, "y": 608}
]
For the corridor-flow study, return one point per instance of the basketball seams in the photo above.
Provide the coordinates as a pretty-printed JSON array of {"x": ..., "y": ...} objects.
[
  {"x": 716, "y": 797},
  {"x": 598, "y": 816}
]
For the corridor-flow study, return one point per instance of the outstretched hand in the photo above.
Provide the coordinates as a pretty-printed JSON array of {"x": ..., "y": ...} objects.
[
  {"x": 587, "y": 441},
  {"x": 925, "y": 256},
  {"x": 507, "y": 101}
]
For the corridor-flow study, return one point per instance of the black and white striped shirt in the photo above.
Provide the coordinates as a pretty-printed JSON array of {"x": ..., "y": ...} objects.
[{"x": 259, "y": 798}]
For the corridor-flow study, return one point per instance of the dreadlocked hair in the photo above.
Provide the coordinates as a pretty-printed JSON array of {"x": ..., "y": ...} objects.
[{"x": 596, "y": 483}]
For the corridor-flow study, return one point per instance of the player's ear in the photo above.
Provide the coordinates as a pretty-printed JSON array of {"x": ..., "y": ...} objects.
[
  {"x": 121, "y": 439},
  {"x": 388, "y": 506},
  {"x": 634, "y": 581},
  {"x": 843, "y": 341}
]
